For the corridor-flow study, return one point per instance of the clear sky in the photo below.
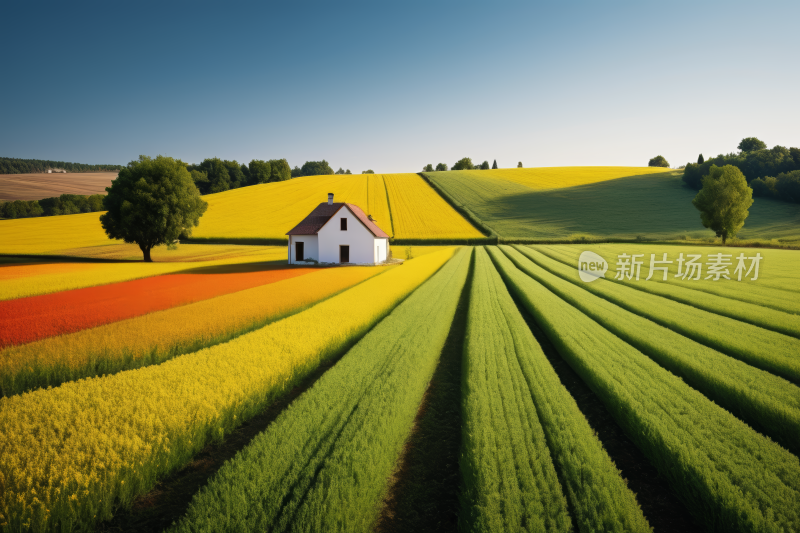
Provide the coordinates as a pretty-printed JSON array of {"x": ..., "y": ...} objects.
[{"x": 393, "y": 86}]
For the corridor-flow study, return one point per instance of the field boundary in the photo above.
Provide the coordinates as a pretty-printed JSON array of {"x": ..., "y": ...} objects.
[
  {"x": 236, "y": 240},
  {"x": 462, "y": 210}
]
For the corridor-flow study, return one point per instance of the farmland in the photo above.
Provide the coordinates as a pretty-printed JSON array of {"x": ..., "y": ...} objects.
[
  {"x": 573, "y": 205},
  {"x": 274, "y": 208},
  {"x": 621, "y": 404},
  {"x": 722, "y": 411},
  {"x": 38, "y": 186}
]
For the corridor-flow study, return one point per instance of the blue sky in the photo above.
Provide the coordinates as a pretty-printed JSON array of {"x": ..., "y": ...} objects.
[{"x": 392, "y": 86}]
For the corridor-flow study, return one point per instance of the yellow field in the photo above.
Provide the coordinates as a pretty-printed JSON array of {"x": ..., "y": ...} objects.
[
  {"x": 418, "y": 212},
  {"x": 156, "y": 336},
  {"x": 559, "y": 177},
  {"x": 70, "y": 453},
  {"x": 270, "y": 210},
  {"x": 19, "y": 280}
]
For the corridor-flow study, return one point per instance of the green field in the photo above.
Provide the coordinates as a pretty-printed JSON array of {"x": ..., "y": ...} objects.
[{"x": 651, "y": 206}]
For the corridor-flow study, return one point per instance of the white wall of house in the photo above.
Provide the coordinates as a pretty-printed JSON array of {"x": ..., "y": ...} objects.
[
  {"x": 381, "y": 249},
  {"x": 360, "y": 240},
  {"x": 310, "y": 247}
]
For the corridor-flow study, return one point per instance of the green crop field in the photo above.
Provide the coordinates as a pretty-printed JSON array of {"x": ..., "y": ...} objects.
[{"x": 649, "y": 206}]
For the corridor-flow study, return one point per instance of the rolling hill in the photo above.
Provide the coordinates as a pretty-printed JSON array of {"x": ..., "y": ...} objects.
[{"x": 528, "y": 204}]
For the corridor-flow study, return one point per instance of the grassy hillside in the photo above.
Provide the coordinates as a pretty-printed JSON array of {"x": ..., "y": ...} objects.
[
  {"x": 651, "y": 206},
  {"x": 560, "y": 177}
]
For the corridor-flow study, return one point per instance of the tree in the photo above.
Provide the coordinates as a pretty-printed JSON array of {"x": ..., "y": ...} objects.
[
  {"x": 152, "y": 202},
  {"x": 260, "y": 172},
  {"x": 494, "y": 165},
  {"x": 465, "y": 163},
  {"x": 787, "y": 186},
  {"x": 217, "y": 173},
  {"x": 347, "y": 171},
  {"x": 700, "y": 159},
  {"x": 519, "y": 165},
  {"x": 441, "y": 167},
  {"x": 368, "y": 172},
  {"x": 427, "y": 168},
  {"x": 485, "y": 165},
  {"x": 724, "y": 201},
  {"x": 340, "y": 171},
  {"x": 296, "y": 172},
  {"x": 751, "y": 144},
  {"x": 235, "y": 172},
  {"x": 281, "y": 171},
  {"x": 658, "y": 161},
  {"x": 316, "y": 168}
]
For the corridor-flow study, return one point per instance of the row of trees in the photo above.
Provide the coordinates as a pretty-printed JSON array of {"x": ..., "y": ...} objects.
[
  {"x": 218, "y": 175},
  {"x": 66, "y": 204},
  {"x": 11, "y": 165},
  {"x": 465, "y": 163},
  {"x": 773, "y": 172}
]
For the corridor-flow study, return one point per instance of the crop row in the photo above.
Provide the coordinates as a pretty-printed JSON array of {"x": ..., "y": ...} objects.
[
  {"x": 71, "y": 454},
  {"x": 159, "y": 336},
  {"x": 768, "y": 350},
  {"x": 728, "y": 475},
  {"x": 762, "y": 399},
  {"x": 324, "y": 463},
  {"x": 774, "y": 319},
  {"x": 775, "y": 289},
  {"x": 522, "y": 426},
  {"x": 46, "y": 315}
]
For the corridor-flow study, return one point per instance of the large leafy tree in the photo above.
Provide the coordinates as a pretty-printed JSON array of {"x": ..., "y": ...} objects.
[
  {"x": 465, "y": 163},
  {"x": 658, "y": 161},
  {"x": 152, "y": 202},
  {"x": 441, "y": 167},
  {"x": 751, "y": 144},
  {"x": 281, "y": 171},
  {"x": 724, "y": 201},
  {"x": 260, "y": 171},
  {"x": 316, "y": 168}
]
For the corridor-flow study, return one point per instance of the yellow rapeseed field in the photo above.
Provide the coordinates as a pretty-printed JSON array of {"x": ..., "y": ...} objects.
[
  {"x": 418, "y": 212},
  {"x": 154, "y": 337},
  {"x": 270, "y": 210},
  {"x": 558, "y": 177},
  {"x": 47, "y": 235},
  {"x": 69, "y": 453},
  {"x": 17, "y": 281}
]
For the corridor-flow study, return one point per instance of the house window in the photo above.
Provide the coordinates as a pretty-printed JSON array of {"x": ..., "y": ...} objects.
[{"x": 343, "y": 224}]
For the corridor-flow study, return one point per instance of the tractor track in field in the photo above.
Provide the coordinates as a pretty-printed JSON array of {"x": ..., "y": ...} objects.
[
  {"x": 661, "y": 506},
  {"x": 168, "y": 501}
]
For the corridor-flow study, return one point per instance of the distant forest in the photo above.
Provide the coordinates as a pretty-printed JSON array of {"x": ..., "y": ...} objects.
[{"x": 12, "y": 165}]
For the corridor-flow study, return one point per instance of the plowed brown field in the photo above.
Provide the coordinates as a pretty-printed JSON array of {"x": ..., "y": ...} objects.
[{"x": 38, "y": 186}]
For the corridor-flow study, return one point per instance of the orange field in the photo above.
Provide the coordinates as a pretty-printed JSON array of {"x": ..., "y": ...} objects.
[
  {"x": 38, "y": 186},
  {"x": 37, "y": 317}
]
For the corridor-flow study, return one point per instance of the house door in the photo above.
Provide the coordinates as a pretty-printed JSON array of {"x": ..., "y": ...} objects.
[
  {"x": 298, "y": 251},
  {"x": 344, "y": 254}
]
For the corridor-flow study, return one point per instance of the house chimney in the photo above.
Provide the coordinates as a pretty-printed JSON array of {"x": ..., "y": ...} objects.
[{"x": 330, "y": 198}]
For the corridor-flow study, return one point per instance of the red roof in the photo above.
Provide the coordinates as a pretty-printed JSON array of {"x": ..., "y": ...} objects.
[{"x": 325, "y": 211}]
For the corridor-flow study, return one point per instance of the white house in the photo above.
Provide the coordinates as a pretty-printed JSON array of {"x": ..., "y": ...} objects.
[{"x": 338, "y": 233}]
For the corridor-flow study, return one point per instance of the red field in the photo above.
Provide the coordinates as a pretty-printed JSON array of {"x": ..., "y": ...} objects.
[
  {"x": 29, "y": 319},
  {"x": 38, "y": 186}
]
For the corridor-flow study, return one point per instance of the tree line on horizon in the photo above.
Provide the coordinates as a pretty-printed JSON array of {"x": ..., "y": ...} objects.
[
  {"x": 12, "y": 165},
  {"x": 66, "y": 204},
  {"x": 771, "y": 173},
  {"x": 465, "y": 163}
]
